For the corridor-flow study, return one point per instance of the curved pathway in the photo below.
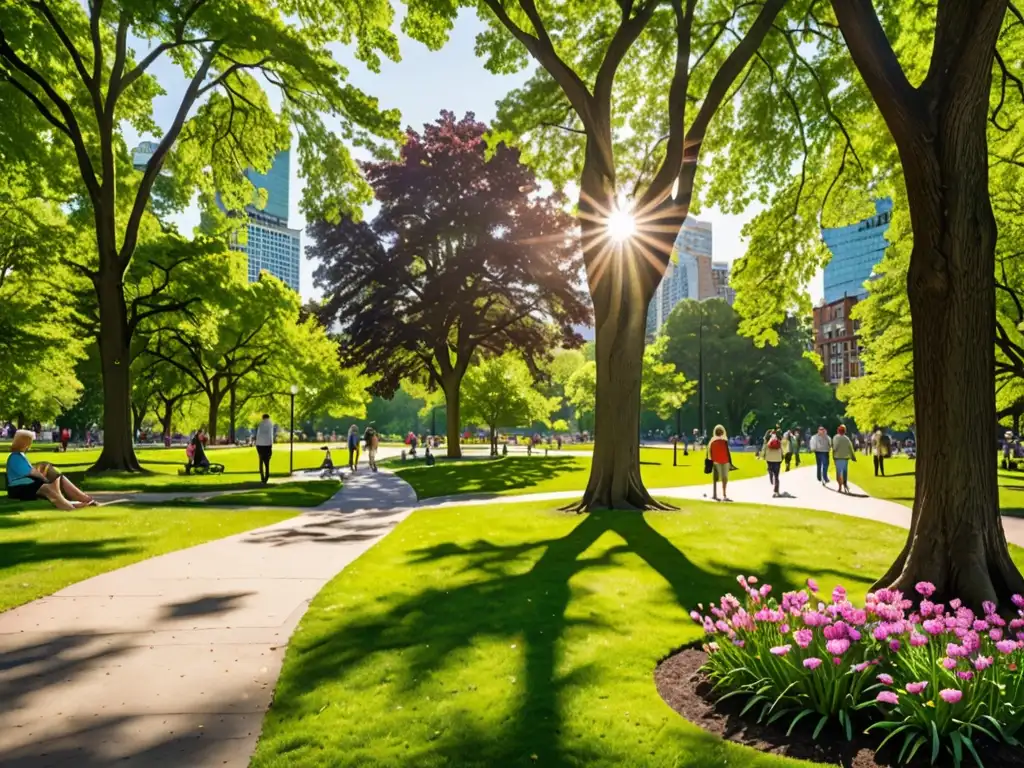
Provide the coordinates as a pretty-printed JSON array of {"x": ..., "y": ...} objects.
[{"x": 172, "y": 661}]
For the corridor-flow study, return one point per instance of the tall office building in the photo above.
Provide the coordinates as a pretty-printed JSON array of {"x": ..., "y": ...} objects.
[
  {"x": 270, "y": 244},
  {"x": 856, "y": 249},
  {"x": 688, "y": 276},
  {"x": 720, "y": 276}
]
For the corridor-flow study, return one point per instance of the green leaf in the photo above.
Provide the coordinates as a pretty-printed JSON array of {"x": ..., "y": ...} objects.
[
  {"x": 844, "y": 718},
  {"x": 958, "y": 751},
  {"x": 970, "y": 748},
  {"x": 750, "y": 704},
  {"x": 899, "y": 730},
  {"x": 918, "y": 743},
  {"x": 819, "y": 726},
  {"x": 800, "y": 716},
  {"x": 935, "y": 741}
]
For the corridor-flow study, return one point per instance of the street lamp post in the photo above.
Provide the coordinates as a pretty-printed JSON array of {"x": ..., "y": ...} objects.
[
  {"x": 700, "y": 365},
  {"x": 291, "y": 433},
  {"x": 679, "y": 435},
  {"x": 433, "y": 421}
]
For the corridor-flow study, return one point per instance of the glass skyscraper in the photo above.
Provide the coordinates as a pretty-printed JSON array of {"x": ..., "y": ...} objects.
[
  {"x": 270, "y": 244},
  {"x": 688, "y": 276},
  {"x": 856, "y": 249}
]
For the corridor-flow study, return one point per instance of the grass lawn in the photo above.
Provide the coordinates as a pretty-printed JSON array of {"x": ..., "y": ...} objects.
[
  {"x": 302, "y": 493},
  {"x": 537, "y": 474},
  {"x": 510, "y": 635},
  {"x": 241, "y": 468},
  {"x": 43, "y": 550},
  {"x": 898, "y": 483}
]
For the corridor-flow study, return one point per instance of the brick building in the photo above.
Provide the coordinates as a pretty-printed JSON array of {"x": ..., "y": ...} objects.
[{"x": 835, "y": 341}]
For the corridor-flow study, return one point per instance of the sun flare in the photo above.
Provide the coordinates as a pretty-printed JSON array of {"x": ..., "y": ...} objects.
[{"x": 621, "y": 225}]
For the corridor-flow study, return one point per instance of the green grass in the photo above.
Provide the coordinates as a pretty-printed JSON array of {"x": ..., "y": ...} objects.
[
  {"x": 43, "y": 550},
  {"x": 510, "y": 635},
  {"x": 898, "y": 483},
  {"x": 302, "y": 493},
  {"x": 241, "y": 468},
  {"x": 537, "y": 474}
]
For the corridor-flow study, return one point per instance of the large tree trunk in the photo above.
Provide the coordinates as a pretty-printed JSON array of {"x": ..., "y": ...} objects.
[
  {"x": 232, "y": 409},
  {"x": 115, "y": 356},
  {"x": 956, "y": 539},
  {"x": 622, "y": 280},
  {"x": 166, "y": 421},
  {"x": 452, "y": 385}
]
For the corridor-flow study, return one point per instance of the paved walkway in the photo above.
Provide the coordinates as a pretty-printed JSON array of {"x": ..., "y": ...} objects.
[{"x": 173, "y": 661}]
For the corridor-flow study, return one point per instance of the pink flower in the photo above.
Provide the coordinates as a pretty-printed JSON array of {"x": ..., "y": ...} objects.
[
  {"x": 988, "y": 607},
  {"x": 927, "y": 606},
  {"x": 917, "y": 639},
  {"x": 949, "y": 663},
  {"x": 695, "y": 616},
  {"x": 980, "y": 625},
  {"x": 838, "y": 595},
  {"x": 971, "y": 642},
  {"x": 934, "y": 626},
  {"x": 996, "y": 635},
  {"x": 739, "y": 643},
  {"x": 742, "y": 582},
  {"x": 1006, "y": 646},
  {"x": 951, "y": 695},
  {"x": 887, "y": 697},
  {"x": 955, "y": 650},
  {"x": 885, "y": 679},
  {"x": 812, "y": 585},
  {"x": 1018, "y": 601},
  {"x": 881, "y": 632},
  {"x": 955, "y": 603},
  {"x": 965, "y": 675},
  {"x": 815, "y": 619},
  {"x": 812, "y": 663},
  {"x": 803, "y": 637},
  {"x": 784, "y": 629},
  {"x": 841, "y": 646},
  {"x": 781, "y": 650},
  {"x": 836, "y": 631},
  {"x": 983, "y": 662},
  {"x": 765, "y": 589},
  {"x": 862, "y": 666},
  {"x": 916, "y": 688},
  {"x": 925, "y": 588},
  {"x": 894, "y": 645},
  {"x": 752, "y": 579}
]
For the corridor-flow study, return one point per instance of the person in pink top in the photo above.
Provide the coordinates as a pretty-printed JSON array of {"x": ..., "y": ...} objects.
[{"x": 721, "y": 461}]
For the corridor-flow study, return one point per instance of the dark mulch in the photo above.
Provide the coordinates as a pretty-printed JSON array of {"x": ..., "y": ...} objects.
[{"x": 688, "y": 691}]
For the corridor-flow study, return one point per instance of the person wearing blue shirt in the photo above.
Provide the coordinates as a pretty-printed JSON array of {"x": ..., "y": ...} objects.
[{"x": 28, "y": 483}]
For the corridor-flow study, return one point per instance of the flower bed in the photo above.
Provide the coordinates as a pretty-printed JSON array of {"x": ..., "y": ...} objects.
[{"x": 932, "y": 681}]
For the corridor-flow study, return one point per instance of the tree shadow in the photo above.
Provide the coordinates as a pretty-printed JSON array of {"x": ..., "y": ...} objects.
[
  {"x": 14, "y": 553},
  {"x": 490, "y": 597},
  {"x": 208, "y": 605},
  {"x": 507, "y": 474}
]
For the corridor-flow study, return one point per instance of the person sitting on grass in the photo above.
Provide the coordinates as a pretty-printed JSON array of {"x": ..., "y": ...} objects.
[
  {"x": 196, "y": 452},
  {"x": 42, "y": 481}
]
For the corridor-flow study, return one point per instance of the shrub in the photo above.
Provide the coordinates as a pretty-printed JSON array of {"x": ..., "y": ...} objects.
[{"x": 933, "y": 677}]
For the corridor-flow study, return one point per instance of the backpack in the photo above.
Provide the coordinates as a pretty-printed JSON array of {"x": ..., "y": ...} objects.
[
  {"x": 774, "y": 443},
  {"x": 886, "y": 446}
]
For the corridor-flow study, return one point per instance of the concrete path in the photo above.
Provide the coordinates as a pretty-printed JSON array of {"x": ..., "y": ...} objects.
[{"x": 173, "y": 661}]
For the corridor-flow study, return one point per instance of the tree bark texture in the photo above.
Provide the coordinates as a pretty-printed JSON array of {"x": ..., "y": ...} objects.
[
  {"x": 452, "y": 385},
  {"x": 622, "y": 279},
  {"x": 956, "y": 539},
  {"x": 232, "y": 410},
  {"x": 167, "y": 419},
  {"x": 115, "y": 361}
]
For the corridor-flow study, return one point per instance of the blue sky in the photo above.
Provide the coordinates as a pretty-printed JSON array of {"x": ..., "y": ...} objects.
[{"x": 421, "y": 85}]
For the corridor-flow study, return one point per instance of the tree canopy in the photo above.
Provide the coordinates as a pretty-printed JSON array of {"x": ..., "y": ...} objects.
[{"x": 462, "y": 260}]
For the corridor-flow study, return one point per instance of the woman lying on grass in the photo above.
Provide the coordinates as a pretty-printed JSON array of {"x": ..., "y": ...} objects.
[{"x": 28, "y": 483}]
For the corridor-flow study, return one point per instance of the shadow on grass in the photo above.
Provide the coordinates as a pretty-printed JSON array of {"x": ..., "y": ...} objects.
[
  {"x": 493, "y": 476},
  {"x": 501, "y": 601},
  {"x": 14, "y": 553}
]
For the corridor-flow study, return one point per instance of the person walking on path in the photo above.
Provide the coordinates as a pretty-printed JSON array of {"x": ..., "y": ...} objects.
[
  {"x": 879, "y": 450},
  {"x": 371, "y": 440},
  {"x": 796, "y": 438},
  {"x": 843, "y": 453},
  {"x": 820, "y": 446},
  {"x": 721, "y": 461},
  {"x": 773, "y": 455},
  {"x": 353, "y": 447},
  {"x": 787, "y": 447},
  {"x": 265, "y": 446}
]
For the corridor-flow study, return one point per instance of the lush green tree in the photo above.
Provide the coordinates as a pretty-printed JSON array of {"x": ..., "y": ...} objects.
[
  {"x": 663, "y": 389},
  {"x": 581, "y": 391},
  {"x": 40, "y": 343},
  {"x": 462, "y": 260},
  {"x": 622, "y": 103},
  {"x": 71, "y": 83},
  {"x": 500, "y": 392},
  {"x": 942, "y": 81}
]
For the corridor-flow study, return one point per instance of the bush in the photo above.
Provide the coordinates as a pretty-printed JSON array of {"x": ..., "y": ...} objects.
[{"x": 932, "y": 677}]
